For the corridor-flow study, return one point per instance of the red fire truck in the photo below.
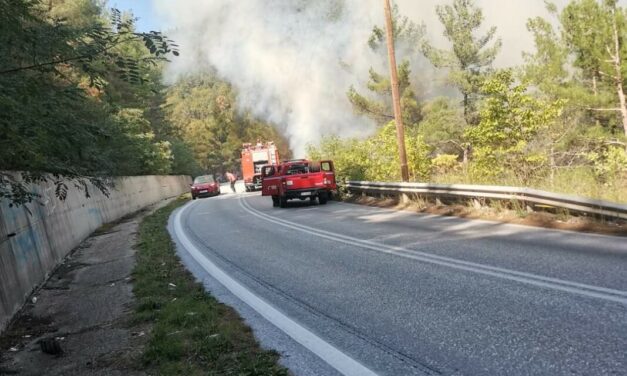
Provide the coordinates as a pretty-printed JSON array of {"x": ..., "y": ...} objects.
[{"x": 254, "y": 156}]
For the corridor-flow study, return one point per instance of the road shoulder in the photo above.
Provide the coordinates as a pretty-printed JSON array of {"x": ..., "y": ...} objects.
[
  {"x": 123, "y": 304},
  {"x": 78, "y": 321},
  {"x": 191, "y": 332}
]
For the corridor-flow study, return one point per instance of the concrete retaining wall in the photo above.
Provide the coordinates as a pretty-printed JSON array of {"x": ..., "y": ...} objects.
[{"x": 31, "y": 245}]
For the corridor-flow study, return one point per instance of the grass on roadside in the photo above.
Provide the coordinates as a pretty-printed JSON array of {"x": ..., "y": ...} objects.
[{"x": 191, "y": 333}]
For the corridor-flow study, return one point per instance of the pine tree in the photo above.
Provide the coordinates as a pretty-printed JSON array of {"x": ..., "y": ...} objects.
[
  {"x": 378, "y": 105},
  {"x": 470, "y": 57}
]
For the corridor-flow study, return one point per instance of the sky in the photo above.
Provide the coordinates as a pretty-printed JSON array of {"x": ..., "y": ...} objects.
[{"x": 145, "y": 10}]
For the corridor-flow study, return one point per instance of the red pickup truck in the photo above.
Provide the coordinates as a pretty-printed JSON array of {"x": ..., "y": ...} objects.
[{"x": 298, "y": 179}]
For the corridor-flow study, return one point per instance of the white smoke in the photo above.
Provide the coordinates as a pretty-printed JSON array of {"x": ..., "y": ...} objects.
[
  {"x": 292, "y": 61},
  {"x": 509, "y": 16}
]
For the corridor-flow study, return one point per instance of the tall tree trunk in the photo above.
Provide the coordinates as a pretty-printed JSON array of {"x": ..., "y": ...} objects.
[
  {"x": 618, "y": 78},
  {"x": 466, "y": 158},
  {"x": 594, "y": 85},
  {"x": 595, "y": 91},
  {"x": 552, "y": 161},
  {"x": 623, "y": 109},
  {"x": 466, "y": 105},
  {"x": 468, "y": 122}
]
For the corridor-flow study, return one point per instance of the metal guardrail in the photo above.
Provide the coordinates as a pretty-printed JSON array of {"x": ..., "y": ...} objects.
[{"x": 527, "y": 195}]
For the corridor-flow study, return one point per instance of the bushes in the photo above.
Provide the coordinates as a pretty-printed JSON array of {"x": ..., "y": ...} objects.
[
  {"x": 514, "y": 144},
  {"x": 445, "y": 164},
  {"x": 511, "y": 118},
  {"x": 376, "y": 157},
  {"x": 610, "y": 164}
]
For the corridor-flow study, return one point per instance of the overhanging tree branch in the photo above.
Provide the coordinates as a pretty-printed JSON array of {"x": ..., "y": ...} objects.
[
  {"x": 66, "y": 60},
  {"x": 602, "y": 109}
]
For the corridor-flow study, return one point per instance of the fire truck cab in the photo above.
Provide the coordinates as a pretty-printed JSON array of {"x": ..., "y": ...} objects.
[{"x": 254, "y": 156}]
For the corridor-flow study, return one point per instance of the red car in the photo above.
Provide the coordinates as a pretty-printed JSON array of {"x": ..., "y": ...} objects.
[{"x": 205, "y": 186}]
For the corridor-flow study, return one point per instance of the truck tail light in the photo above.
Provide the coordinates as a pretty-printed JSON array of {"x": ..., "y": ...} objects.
[
  {"x": 289, "y": 182},
  {"x": 326, "y": 181}
]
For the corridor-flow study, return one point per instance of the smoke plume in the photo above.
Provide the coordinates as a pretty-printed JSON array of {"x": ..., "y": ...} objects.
[{"x": 292, "y": 61}]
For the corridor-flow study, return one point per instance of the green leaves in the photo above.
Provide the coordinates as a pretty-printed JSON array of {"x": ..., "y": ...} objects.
[
  {"x": 76, "y": 89},
  {"x": 407, "y": 34},
  {"x": 375, "y": 158},
  {"x": 470, "y": 56},
  {"x": 203, "y": 110},
  {"x": 157, "y": 44},
  {"x": 510, "y": 119},
  {"x": 587, "y": 32},
  {"x": 443, "y": 126},
  {"x": 377, "y": 103},
  {"x": 610, "y": 163}
]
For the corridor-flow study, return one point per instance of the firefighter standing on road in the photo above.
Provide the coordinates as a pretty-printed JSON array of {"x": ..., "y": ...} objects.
[{"x": 231, "y": 178}]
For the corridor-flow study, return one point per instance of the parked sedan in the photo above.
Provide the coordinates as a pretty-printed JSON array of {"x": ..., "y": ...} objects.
[{"x": 205, "y": 186}]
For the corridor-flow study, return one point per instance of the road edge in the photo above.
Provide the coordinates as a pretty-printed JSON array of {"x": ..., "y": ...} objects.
[{"x": 332, "y": 356}]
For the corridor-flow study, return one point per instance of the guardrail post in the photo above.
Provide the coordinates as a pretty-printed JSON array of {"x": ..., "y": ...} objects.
[{"x": 404, "y": 198}]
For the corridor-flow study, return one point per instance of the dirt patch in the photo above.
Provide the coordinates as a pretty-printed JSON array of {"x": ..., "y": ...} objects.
[
  {"x": 109, "y": 228},
  {"x": 23, "y": 328},
  {"x": 501, "y": 212}
]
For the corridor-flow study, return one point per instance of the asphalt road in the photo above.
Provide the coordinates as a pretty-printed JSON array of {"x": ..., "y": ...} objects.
[{"x": 408, "y": 294}]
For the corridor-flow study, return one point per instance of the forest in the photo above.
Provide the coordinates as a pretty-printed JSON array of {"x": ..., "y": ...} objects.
[
  {"x": 83, "y": 98},
  {"x": 558, "y": 122}
]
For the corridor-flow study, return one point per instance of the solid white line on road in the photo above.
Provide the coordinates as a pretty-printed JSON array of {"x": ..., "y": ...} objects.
[
  {"x": 327, "y": 352},
  {"x": 513, "y": 275}
]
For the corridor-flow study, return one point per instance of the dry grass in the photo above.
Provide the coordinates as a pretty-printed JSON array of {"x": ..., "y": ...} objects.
[{"x": 503, "y": 211}]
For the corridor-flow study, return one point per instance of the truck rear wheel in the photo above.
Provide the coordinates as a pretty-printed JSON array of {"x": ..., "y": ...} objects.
[
  {"x": 283, "y": 201},
  {"x": 275, "y": 201},
  {"x": 323, "y": 197},
  {"x": 312, "y": 200}
]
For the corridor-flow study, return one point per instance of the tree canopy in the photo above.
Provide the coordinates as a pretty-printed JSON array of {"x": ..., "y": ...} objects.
[
  {"x": 470, "y": 56},
  {"x": 83, "y": 99},
  {"x": 377, "y": 103},
  {"x": 557, "y": 122},
  {"x": 203, "y": 112}
]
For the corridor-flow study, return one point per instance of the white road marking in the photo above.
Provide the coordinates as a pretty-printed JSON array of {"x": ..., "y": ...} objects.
[
  {"x": 327, "y": 352},
  {"x": 513, "y": 275}
]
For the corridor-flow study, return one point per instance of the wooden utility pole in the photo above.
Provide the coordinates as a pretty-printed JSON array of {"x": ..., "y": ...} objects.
[{"x": 396, "y": 98}]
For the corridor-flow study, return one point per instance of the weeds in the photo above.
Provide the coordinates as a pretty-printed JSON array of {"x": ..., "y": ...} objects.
[{"x": 192, "y": 333}]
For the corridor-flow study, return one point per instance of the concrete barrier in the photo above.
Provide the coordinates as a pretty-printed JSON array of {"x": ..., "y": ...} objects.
[{"x": 32, "y": 245}]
